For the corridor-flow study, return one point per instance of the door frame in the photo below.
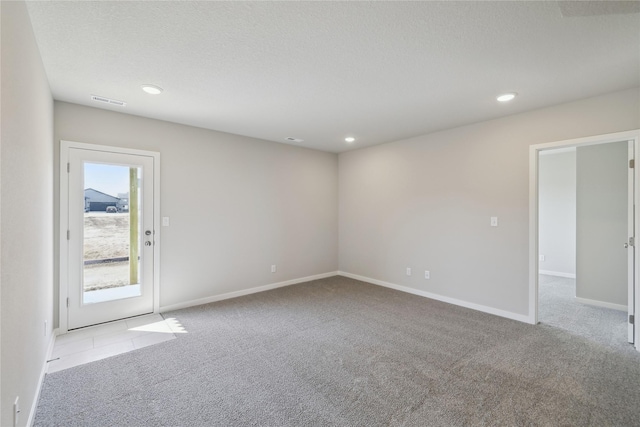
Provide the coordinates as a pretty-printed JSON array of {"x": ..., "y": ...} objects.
[
  {"x": 534, "y": 150},
  {"x": 63, "y": 287}
]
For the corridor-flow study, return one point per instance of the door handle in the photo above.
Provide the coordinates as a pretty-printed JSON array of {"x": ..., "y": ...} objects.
[{"x": 626, "y": 245}]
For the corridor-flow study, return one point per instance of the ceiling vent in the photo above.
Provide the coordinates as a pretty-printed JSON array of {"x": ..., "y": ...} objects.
[{"x": 108, "y": 101}]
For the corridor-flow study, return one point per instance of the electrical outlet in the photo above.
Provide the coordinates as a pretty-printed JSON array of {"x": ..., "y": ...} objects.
[
  {"x": 16, "y": 411},
  {"x": 541, "y": 258},
  {"x": 427, "y": 274},
  {"x": 408, "y": 271},
  {"x": 273, "y": 268}
]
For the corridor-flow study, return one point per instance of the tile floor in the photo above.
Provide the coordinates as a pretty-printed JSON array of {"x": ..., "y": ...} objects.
[{"x": 110, "y": 339}]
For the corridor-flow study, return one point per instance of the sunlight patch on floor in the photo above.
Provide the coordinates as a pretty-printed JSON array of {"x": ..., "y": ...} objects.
[
  {"x": 170, "y": 326},
  {"x": 110, "y": 339}
]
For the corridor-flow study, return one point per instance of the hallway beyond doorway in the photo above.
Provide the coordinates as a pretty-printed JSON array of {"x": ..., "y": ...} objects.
[{"x": 558, "y": 308}]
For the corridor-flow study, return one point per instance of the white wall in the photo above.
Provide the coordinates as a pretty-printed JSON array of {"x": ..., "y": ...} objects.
[
  {"x": 602, "y": 223},
  {"x": 557, "y": 212},
  {"x": 426, "y": 202},
  {"x": 26, "y": 214},
  {"x": 237, "y": 205}
]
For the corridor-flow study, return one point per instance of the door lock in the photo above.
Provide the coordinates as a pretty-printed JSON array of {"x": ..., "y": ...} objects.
[
  {"x": 147, "y": 233},
  {"x": 147, "y": 243}
]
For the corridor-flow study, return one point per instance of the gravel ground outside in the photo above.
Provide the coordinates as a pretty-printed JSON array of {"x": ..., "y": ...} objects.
[
  {"x": 103, "y": 276},
  {"x": 106, "y": 235}
]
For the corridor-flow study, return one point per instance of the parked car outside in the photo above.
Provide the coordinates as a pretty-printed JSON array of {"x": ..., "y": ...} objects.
[{"x": 112, "y": 209}]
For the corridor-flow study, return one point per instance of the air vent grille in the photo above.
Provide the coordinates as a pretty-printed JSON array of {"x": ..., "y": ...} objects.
[
  {"x": 108, "y": 101},
  {"x": 99, "y": 99}
]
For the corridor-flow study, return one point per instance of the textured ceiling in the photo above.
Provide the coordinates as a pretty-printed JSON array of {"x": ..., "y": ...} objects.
[{"x": 320, "y": 71}]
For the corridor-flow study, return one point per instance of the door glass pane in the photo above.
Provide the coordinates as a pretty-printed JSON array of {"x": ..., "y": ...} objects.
[{"x": 112, "y": 214}]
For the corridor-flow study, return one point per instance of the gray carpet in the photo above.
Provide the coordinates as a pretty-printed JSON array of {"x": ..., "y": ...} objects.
[
  {"x": 339, "y": 352},
  {"x": 558, "y": 307}
]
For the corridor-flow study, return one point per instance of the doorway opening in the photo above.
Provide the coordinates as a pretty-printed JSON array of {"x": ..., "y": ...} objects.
[
  {"x": 582, "y": 222},
  {"x": 582, "y": 255}
]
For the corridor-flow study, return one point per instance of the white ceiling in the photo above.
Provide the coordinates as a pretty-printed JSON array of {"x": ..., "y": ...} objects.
[{"x": 320, "y": 71}]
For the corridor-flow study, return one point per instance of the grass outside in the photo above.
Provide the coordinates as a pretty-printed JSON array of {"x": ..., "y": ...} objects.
[{"x": 106, "y": 236}]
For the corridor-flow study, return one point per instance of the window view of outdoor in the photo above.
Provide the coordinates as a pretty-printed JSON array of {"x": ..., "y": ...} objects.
[{"x": 111, "y": 232}]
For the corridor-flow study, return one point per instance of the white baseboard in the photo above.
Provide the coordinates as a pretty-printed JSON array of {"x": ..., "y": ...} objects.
[
  {"x": 243, "y": 292},
  {"x": 557, "y": 274},
  {"x": 43, "y": 372},
  {"x": 473, "y": 306},
  {"x": 235, "y": 294},
  {"x": 604, "y": 304}
]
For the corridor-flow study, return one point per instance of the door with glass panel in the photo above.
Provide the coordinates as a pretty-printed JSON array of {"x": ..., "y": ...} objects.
[{"x": 110, "y": 236}]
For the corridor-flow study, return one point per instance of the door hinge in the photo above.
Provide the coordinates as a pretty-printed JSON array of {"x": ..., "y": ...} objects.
[
  {"x": 68, "y": 167},
  {"x": 632, "y": 163},
  {"x": 631, "y": 320},
  {"x": 67, "y": 302},
  {"x": 632, "y": 241},
  {"x": 68, "y": 235}
]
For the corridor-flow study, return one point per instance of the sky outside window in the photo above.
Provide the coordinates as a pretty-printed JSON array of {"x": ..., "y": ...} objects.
[{"x": 109, "y": 179}]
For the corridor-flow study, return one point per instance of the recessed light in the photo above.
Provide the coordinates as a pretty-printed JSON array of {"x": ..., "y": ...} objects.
[
  {"x": 152, "y": 89},
  {"x": 292, "y": 139},
  {"x": 506, "y": 97},
  {"x": 349, "y": 139}
]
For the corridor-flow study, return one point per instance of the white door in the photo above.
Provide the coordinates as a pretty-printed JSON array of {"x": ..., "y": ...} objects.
[
  {"x": 630, "y": 245},
  {"x": 110, "y": 237}
]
